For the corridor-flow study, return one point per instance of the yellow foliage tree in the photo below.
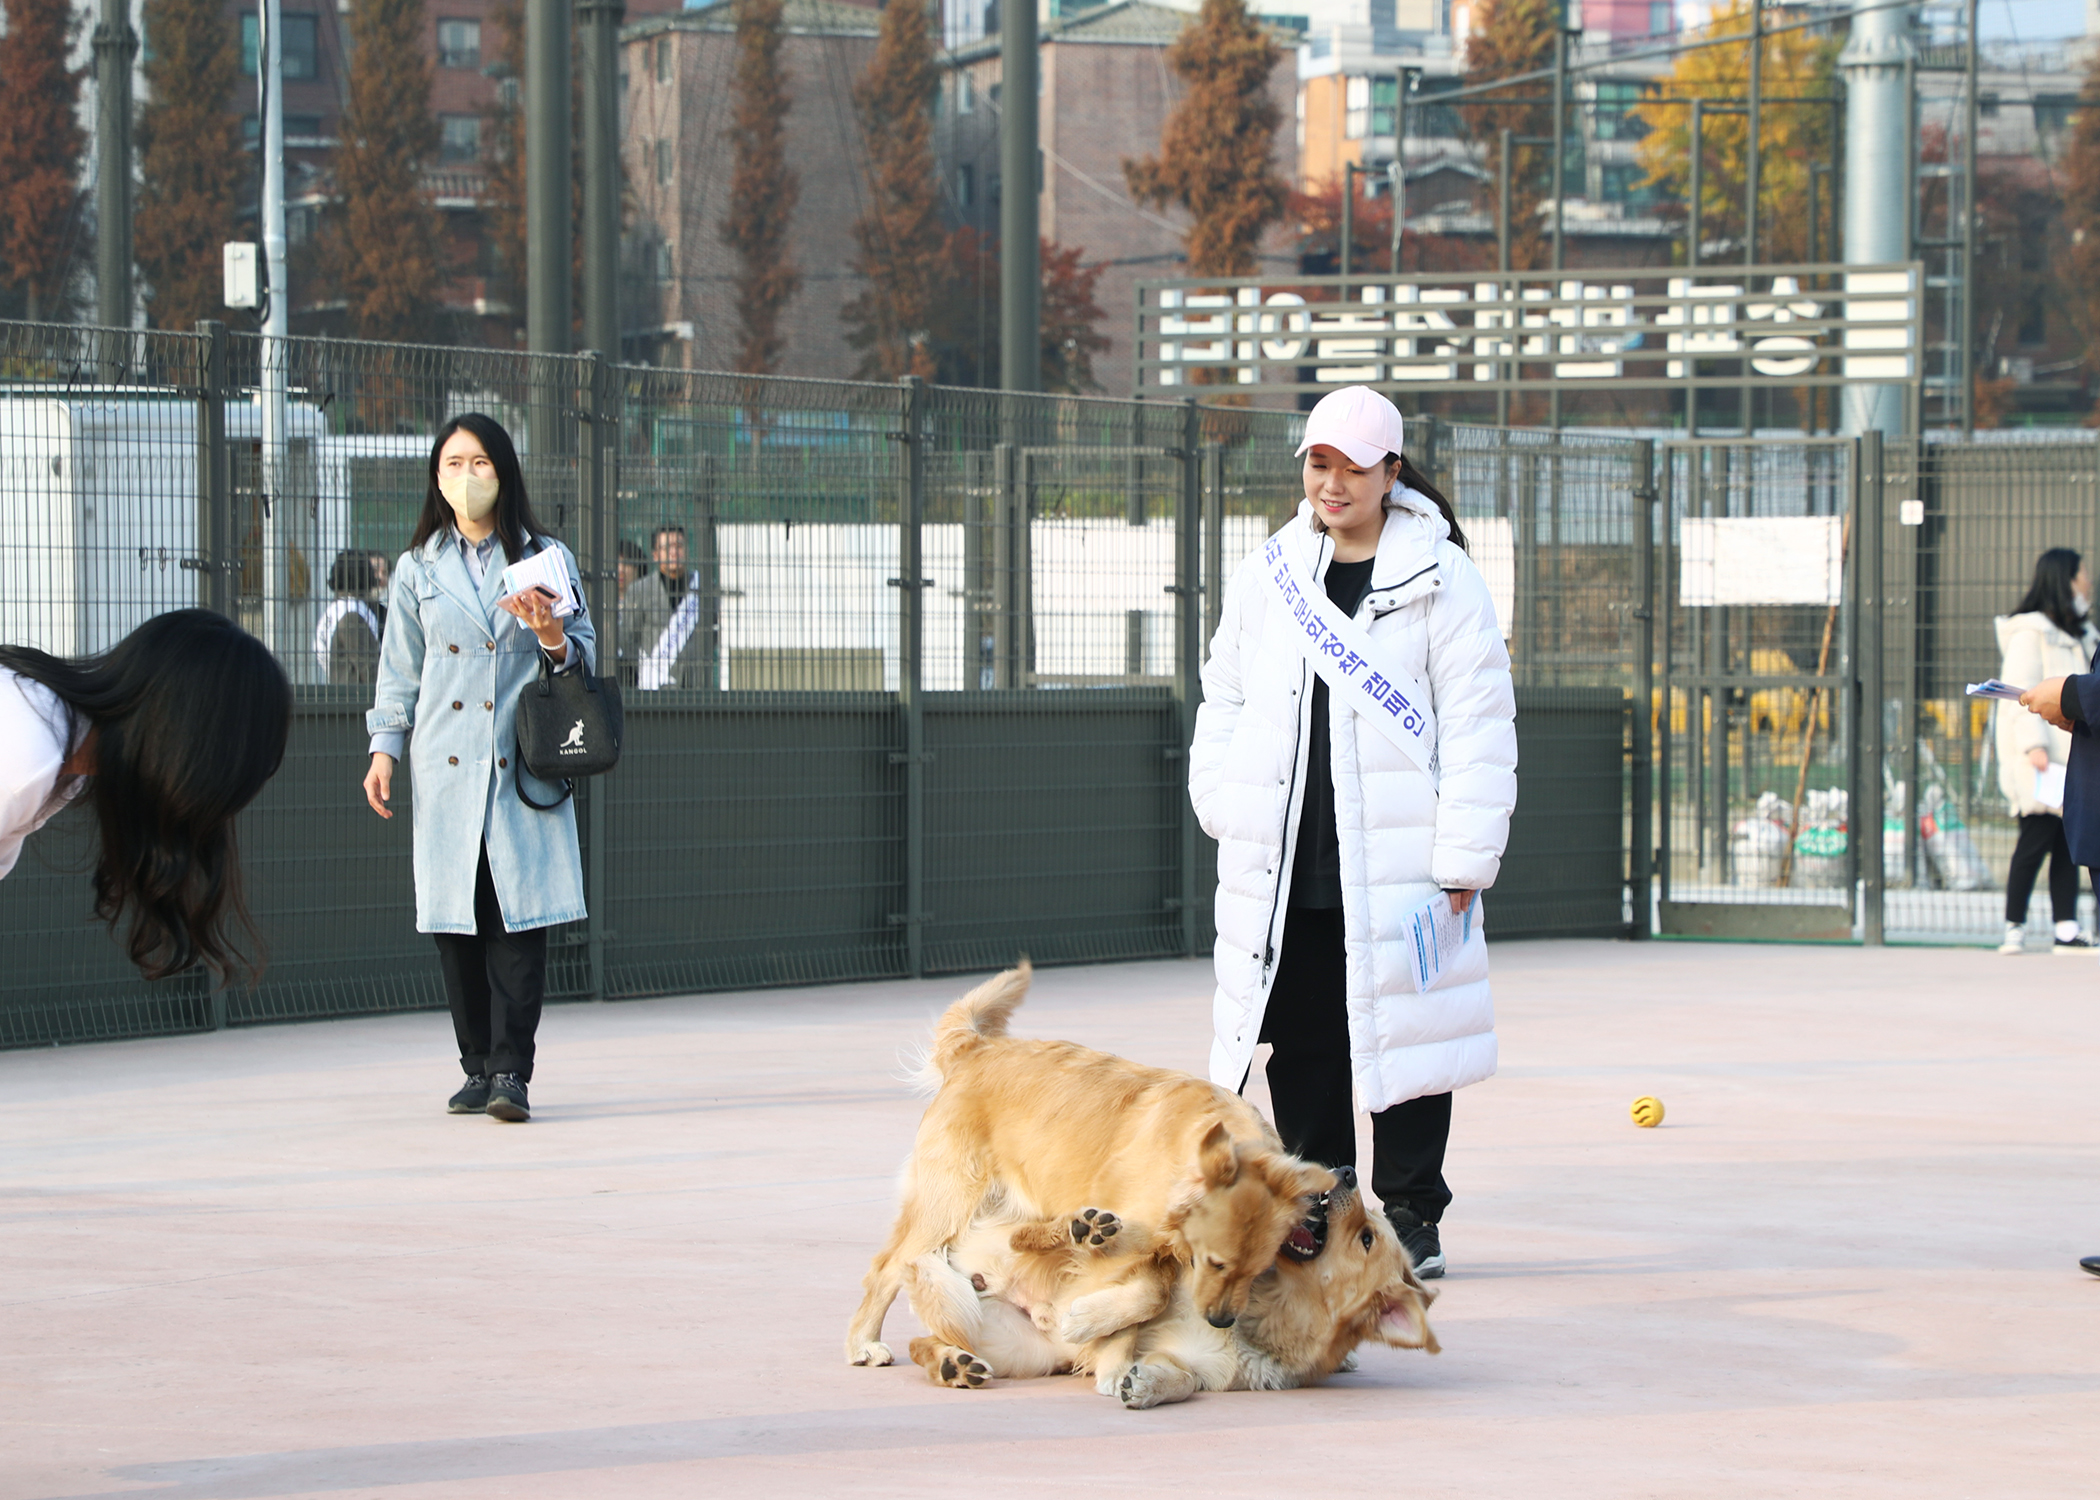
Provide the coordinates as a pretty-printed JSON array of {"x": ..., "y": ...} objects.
[{"x": 1791, "y": 137}]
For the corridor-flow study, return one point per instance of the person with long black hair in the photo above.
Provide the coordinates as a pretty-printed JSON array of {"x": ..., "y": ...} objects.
[
  {"x": 2049, "y": 634},
  {"x": 492, "y": 872},
  {"x": 1355, "y": 758},
  {"x": 167, "y": 735}
]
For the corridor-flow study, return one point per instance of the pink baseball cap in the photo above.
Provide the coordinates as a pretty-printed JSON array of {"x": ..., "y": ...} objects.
[{"x": 1357, "y": 420}]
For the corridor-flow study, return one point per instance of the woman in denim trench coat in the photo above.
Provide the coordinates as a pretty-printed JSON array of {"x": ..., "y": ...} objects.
[{"x": 492, "y": 875}]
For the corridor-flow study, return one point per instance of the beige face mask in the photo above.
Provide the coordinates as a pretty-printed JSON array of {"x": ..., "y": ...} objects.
[{"x": 471, "y": 495}]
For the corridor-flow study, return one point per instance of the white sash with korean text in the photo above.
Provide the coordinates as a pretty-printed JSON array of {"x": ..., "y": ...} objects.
[
  {"x": 1348, "y": 660},
  {"x": 656, "y": 670}
]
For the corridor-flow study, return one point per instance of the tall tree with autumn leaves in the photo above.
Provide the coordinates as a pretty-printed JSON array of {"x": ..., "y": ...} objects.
[
  {"x": 384, "y": 245},
  {"x": 898, "y": 238},
  {"x": 190, "y": 161},
  {"x": 763, "y": 188},
  {"x": 1791, "y": 137},
  {"x": 2078, "y": 261},
  {"x": 1217, "y": 156},
  {"x": 41, "y": 198},
  {"x": 1510, "y": 38}
]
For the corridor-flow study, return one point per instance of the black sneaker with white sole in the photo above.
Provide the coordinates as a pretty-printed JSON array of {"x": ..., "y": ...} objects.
[
  {"x": 2075, "y": 947},
  {"x": 507, "y": 1099},
  {"x": 1420, "y": 1238},
  {"x": 472, "y": 1098}
]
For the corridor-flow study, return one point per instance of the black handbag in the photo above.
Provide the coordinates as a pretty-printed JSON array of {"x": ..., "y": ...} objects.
[{"x": 569, "y": 726}]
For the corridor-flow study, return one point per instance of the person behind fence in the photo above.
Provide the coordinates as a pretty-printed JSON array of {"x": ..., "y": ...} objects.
[
  {"x": 664, "y": 629},
  {"x": 1355, "y": 758},
  {"x": 2049, "y": 634},
  {"x": 167, "y": 736},
  {"x": 346, "y": 637},
  {"x": 633, "y": 562},
  {"x": 492, "y": 874}
]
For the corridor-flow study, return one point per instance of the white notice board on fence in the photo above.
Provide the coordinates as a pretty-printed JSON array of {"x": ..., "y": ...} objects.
[{"x": 1760, "y": 560}]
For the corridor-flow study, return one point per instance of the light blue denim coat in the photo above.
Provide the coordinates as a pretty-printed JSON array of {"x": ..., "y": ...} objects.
[{"x": 451, "y": 670}]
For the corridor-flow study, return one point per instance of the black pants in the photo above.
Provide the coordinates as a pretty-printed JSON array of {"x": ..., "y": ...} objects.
[
  {"x": 494, "y": 982},
  {"x": 2041, "y": 837},
  {"x": 1307, "y": 1023}
]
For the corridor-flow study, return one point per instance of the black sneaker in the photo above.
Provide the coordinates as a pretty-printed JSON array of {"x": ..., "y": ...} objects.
[
  {"x": 2091, "y": 1263},
  {"x": 472, "y": 1098},
  {"x": 507, "y": 1099},
  {"x": 2074, "y": 947},
  {"x": 1420, "y": 1238}
]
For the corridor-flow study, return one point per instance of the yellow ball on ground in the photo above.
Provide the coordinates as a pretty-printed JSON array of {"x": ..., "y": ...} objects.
[{"x": 1647, "y": 1111}]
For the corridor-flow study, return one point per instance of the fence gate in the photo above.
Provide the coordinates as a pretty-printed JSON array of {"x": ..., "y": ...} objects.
[{"x": 1753, "y": 732}]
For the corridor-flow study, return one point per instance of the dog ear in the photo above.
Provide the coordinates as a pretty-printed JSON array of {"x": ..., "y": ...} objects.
[
  {"x": 1288, "y": 1177},
  {"x": 1217, "y": 1159},
  {"x": 1403, "y": 1321}
]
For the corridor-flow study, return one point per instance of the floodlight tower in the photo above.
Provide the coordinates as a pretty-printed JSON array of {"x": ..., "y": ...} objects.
[{"x": 1877, "y": 178}]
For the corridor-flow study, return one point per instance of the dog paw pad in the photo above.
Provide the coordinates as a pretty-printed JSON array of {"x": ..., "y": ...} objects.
[
  {"x": 962, "y": 1370},
  {"x": 1095, "y": 1227}
]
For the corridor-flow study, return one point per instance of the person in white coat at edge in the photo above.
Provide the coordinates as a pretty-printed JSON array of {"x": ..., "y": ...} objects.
[
  {"x": 1330, "y": 837},
  {"x": 2048, "y": 634},
  {"x": 166, "y": 737}
]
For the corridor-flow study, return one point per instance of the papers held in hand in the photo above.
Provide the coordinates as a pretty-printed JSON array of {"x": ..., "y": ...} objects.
[
  {"x": 1996, "y": 689},
  {"x": 1434, "y": 935},
  {"x": 543, "y": 571}
]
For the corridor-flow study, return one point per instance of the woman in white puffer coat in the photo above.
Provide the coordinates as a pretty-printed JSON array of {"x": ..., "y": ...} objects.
[
  {"x": 1331, "y": 837},
  {"x": 2048, "y": 634}
]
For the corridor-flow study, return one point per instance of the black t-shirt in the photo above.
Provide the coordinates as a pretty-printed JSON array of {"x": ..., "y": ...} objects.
[
  {"x": 673, "y": 587},
  {"x": 1316, "y": 873}
]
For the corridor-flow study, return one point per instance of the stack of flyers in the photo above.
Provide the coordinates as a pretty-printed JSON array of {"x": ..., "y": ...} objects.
[
  {"x": 1434, "y": 934},
  {"x": 546, "y": 572},
  {"x": 1996, "y": 689}
]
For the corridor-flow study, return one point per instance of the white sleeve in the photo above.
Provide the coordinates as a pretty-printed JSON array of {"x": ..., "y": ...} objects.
[
  {"x": 1476, "y": 731},
  {"x": 31, "y": 756},
  {"x": 1223, "y": 699}
]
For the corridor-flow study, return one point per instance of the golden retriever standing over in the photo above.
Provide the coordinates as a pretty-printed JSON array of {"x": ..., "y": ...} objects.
[{"x": 1027, "y": 1129}]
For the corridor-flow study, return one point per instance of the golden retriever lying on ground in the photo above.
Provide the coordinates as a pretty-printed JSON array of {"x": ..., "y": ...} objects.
[
  {"x": 1019, "y": 1129},
  {"x": 1032, "y": 1300}
]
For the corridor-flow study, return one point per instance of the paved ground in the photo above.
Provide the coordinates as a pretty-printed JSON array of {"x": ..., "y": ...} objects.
[{"x": 265, "y": 1264}]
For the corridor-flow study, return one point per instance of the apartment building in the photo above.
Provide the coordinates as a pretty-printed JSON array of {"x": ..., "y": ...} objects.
[
  {"x": 679, "y": 279},
  {"x": 467, "y": 74},
  {"x": 1105, "y": 93}
]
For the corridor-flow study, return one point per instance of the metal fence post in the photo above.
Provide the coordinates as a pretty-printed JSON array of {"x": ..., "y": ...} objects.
[
  {"x": 1641, "y": 867},
  {"x": 217, "y": 554},
  {"x": 1188, "y": 643},
  {"x": 1006, "y": 634},
  {"x": 1867, "y": 808},
  {"x": 218, "y": 546},
  {"x": 600, "y": 413},
  {"x": 707, "y": 562},
  {"x": 910, "y": 630}
]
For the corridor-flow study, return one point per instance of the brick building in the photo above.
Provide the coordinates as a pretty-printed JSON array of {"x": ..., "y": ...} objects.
[
  {"x": 1106, "y": 91},
  {"x": 679, "y": 279},
  {"x": 463, "y": 44}
]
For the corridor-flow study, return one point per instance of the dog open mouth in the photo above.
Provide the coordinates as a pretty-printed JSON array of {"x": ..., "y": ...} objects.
[{"x": 1309, "y": 1236}]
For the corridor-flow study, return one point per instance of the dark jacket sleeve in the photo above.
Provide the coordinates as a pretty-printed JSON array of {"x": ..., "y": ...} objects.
[{"x": 2082, "y": 702}]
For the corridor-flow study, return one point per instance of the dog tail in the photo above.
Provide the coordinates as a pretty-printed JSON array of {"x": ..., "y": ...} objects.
[{"x": 978, "y": 1016}]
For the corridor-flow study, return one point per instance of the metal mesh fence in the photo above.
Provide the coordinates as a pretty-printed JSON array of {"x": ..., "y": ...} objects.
[
  {"x": 1754, "y": 769},
  {"x": 1963, "y": 525},
  {"x": 909, "y": 672}
]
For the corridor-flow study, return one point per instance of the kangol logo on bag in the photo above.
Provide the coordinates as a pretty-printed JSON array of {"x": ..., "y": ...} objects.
[{"x": 574, "y": 744}]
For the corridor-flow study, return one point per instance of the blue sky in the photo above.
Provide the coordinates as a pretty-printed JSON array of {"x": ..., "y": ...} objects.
[{"x": 2031, "y": 19}]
